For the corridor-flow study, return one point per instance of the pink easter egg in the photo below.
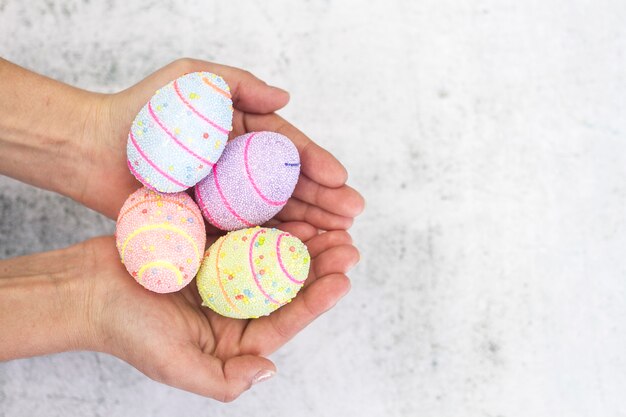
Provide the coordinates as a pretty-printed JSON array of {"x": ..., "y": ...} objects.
[
  {"x": 251, "y": 182},
  {"x": 160, "y": 238}
]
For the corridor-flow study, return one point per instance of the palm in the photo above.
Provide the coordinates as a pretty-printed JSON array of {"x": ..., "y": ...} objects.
[{"x": 173, "y": 339}]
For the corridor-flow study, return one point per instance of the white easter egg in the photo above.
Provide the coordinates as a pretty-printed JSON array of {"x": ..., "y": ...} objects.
[{"x": 178, "y": 136}]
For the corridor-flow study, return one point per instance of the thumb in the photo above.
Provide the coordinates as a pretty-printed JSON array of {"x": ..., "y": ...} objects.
[
  {"x": 242, "y": 372},
  {"x": 249, "y": 93},
  {"x": 209, "y": 376}
]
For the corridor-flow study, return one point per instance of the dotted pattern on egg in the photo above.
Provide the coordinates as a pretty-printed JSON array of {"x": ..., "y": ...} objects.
[
  {"x": 160, "y": 238},
  {"x": 252, "y": 272},
  {"x": 251, "y": 182},
  {"x": 179, "y": 135}
]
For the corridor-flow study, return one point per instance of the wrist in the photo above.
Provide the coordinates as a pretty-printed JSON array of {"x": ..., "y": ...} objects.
[
  {"x": 41, "y": 122},
  {"x": 45, "y": 304}
]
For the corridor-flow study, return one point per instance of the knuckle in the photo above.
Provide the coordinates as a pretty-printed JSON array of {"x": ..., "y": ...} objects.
[
  {"x": 184, "y": 64},
  {"x": 279, "y": 328},
  {"x": 247, "y": 74}
]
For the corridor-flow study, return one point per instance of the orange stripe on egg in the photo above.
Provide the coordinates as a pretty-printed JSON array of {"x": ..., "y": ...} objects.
[
  {"x": 154, "y": 200},
  {"x": 216, "y": 88},
  {"x": 253, "y": 272},
  {"x": 219, "y": 280}
]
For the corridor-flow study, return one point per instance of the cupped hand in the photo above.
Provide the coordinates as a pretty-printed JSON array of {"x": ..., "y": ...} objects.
[
  {"x": 173, "y": 339},
  {"x": 321, "y": 197}
]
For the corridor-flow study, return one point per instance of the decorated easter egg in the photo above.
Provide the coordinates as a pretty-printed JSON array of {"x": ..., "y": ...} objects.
[
  {"x": 251, "y": 272},
  {"x": 181, "y": 132},
  {"x": 251, "y": 182},
  {"x": 160, "y": 238}
]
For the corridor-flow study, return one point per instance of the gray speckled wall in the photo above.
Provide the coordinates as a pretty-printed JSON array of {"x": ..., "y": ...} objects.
[{"x": 489, "y": 139}]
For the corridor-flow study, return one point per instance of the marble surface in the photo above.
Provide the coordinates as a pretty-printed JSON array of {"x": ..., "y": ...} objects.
[{"x": 488, "y": 137}]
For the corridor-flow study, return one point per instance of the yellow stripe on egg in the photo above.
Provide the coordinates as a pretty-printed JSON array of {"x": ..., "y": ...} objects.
[
  {"x": 162, "y": 264},
  {"x": 164, "y": 226}
]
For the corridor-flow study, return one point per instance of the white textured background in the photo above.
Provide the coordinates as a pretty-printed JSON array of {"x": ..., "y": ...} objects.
[{"x": 488, "y": 137}]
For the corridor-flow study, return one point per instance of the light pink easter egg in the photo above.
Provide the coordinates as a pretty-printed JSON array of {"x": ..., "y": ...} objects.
[{"x": 160, "y": 238}]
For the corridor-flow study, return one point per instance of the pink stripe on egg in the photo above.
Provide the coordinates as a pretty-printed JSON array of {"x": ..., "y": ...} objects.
[
  {"x": 223, "y": 197},
  {"x": 174, "y": 138},
  {"x": 139, "y": 177},
  {"x": 258, "y": 191},
  {"x": 256, "y": 280},
  {"x": 200, "y": 115},
  {"x": 156, "y": 200},
  {"x": 153, "y": 165},
  {"x": 280, "y": 261},
  {"x": 204, "y": 209}
]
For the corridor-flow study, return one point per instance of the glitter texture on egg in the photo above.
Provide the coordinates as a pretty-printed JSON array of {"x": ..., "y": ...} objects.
[
  {"x": 252, "y": 272},
  {"x": 179, "y": 135},
  {"x": 251, "y": 182},
  {"x": 160, "y": 238}
]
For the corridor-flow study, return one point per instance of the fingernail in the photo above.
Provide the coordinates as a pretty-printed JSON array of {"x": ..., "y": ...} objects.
[{"x": 262, "y": 376}]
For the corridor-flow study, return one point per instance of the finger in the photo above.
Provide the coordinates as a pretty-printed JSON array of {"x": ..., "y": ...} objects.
[
  {"x": 239, "y": 127},
  {"x": 334, "y": 260},
  {"x": 337, "y": 259},
  {"x": 296, "y": 210},
  {"x": 345, "y": 200},
  {"x": 241, "y": 372},
  {"x": 319, "y": 243},
  {"x": 301, "y": 230},
  {"x": 250, "y": 93},
  {"x": 272, "y": 223},
  {"x": 207, "y": 375},
  {"x": 317, "y": 163},
  {"x": 265, "y": 335}
]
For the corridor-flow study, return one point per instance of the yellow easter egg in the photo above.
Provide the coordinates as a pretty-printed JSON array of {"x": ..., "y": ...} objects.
[{"x": 252, "y": 272}]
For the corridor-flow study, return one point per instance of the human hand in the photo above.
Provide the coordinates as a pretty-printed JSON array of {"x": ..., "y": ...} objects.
[
  {"x": 173, "y": 339},
  {"x": 320, "y": 198}
]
